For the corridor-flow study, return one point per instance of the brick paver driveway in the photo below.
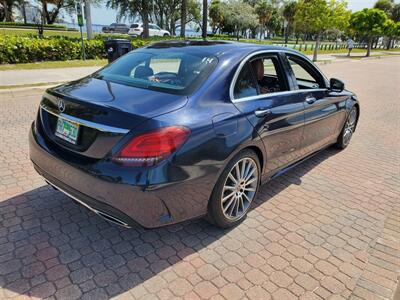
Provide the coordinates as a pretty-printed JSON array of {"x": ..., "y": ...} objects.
[{"x": 329, "y": 227}]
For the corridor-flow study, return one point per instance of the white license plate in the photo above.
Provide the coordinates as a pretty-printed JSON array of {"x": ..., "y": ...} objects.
[{"x": 67, "y": 130}]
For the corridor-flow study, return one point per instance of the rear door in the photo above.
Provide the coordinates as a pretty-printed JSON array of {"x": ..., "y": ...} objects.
[
  {"x": 152, "y": 30},
  {"x": 322, "y": 110},
  {"x": 277, "y": 114}
]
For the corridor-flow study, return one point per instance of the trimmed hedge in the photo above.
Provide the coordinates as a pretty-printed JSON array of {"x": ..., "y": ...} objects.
[
  {"x": 27, "y": 49},
  {"x": 18, "y": 49}
]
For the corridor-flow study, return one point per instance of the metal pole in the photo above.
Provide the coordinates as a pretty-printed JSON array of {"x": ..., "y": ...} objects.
[
  {"x": 82, "y": 44},
  {"x": 88, "y": 18}
]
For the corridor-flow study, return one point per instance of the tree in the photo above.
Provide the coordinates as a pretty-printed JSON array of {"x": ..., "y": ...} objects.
[
  {"x": 289, "y": 11},
  {"x": 391, "y": 30},
  {"x": 216, "y": 15},
  {"x": 205, "y": 18},
  {"x": 183, "y": 17},
  {"x": 318, "y": 16},
  {"x": 129, "y": 9},
  {"x": 385, "y": 5},
  {"x": 396, "y": 13},
  {"x": 51, "y": 15},
  {"x": 369, "y": 23},
  {"x": 239, "y": 16},
  {"x": 264, "y": 11},
  {"x": 7, "y": 9}
]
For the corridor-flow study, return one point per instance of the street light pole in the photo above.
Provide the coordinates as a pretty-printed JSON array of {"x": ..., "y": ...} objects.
[{"x": 88, "y": 19}]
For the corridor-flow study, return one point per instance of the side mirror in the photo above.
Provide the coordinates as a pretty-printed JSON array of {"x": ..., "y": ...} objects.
[{"x": 336, "y": 85}]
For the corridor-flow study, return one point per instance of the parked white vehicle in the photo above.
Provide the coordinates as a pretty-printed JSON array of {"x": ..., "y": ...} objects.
[{"x": 136, "y": 29}]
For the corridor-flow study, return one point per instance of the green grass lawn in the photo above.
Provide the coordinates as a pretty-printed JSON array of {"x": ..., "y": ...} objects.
[{"x": 24, "y": 31}]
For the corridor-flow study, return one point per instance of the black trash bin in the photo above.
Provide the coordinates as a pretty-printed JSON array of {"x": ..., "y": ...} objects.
[{"x": 116, "y": 48}]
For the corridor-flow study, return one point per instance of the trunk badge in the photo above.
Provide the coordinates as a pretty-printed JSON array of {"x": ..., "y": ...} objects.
[{"x": 61, "y": 105}]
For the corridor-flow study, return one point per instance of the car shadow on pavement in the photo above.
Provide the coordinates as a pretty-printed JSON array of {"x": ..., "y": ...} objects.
[{"x": 51, "y": 246}]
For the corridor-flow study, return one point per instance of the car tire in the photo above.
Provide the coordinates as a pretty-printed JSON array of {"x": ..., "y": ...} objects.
[
  {"x": 166, "y": 34},
  {"x": 234, "y": 193},
  {"x": 348, "y": 129}
]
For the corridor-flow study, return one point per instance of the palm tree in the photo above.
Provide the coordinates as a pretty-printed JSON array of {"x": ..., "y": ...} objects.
[
  {"x": 183, "y": 17},
  {"x": 205, "y": 14},
  {"x": 289, "y": 10},
  {"x": 264, "y": 12}
]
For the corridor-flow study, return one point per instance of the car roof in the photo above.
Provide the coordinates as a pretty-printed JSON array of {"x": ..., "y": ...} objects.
[{"x": 218, "y": 48}]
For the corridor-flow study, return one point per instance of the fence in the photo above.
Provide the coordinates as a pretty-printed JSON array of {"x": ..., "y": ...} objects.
[{"x": 324, "y": 46}]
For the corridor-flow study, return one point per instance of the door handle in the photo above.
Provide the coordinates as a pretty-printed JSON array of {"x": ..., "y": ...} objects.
[
  {"x": 310, "y": 99},
  {"x": 262, "y": 112}
]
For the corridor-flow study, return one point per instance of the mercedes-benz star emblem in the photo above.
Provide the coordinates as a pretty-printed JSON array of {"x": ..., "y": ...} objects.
[{"x": 61, "y": 105}]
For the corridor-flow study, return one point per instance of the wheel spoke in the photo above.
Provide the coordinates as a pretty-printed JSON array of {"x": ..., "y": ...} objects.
[
  {"x": 243, "y": 169},
  {"x": 229, "y": 188},
  {"x": 237, "y": 168},
  {"x": 247, "y": 170},
  {"x": 250, "y": 174},
  {"x": 229, "y": 204},
  {"x": 227, "y": 197},
  {"x": 247, "y": 198},
  {"x": 250, "y": 181},
  {"x": 249, "y": 189},
  {"x": 231, "y": 177}
]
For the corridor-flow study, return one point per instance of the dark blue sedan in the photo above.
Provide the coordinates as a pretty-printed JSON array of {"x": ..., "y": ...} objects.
[{"x": 184, "y": 129}]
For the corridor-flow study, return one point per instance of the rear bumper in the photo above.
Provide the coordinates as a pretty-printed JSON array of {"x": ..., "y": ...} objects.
[{"x": 99, "y": 188}]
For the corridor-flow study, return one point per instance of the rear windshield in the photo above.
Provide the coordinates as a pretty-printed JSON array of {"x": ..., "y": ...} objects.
[
  {"x": 172, "y": 72},
  {"x": 134, "y": 25}
]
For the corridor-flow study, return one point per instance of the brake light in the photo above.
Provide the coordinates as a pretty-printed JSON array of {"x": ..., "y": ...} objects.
[{"x": 152, "y": 147}]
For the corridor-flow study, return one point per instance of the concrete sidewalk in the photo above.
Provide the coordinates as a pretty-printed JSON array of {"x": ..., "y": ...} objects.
[
  {"x": 36, "y": 76},
  {"x": 59, "y": 75}
]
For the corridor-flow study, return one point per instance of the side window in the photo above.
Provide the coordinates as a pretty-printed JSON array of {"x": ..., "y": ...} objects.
[
  {"x": 306, "y": 76},
  {"x": 269, "y": 75},
  {"x": 245, "y": 85}
]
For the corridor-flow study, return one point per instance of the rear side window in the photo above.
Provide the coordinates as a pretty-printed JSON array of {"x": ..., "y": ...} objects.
[
  {"x": 170, "y": 71},
  {"x": 245, "y": 85}
]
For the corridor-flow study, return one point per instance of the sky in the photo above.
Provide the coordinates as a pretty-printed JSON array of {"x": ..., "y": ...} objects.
[{"x": 102, "y": 15}]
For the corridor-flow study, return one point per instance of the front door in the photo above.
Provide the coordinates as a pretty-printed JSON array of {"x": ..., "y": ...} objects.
[
  {"x": 262, "y": 93},
  {"x": 323, "y": 112}
]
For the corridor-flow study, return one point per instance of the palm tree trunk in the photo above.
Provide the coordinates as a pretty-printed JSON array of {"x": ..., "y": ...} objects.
[
  {"x": 205, "y": 13},
  {"x": 183, "y": 18},
  {"x": 145, "y": 18},
  {"x": 315, "y": 54}
]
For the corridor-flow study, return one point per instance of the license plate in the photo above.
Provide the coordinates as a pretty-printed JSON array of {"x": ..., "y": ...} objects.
[{"x": 67, "y": 130}]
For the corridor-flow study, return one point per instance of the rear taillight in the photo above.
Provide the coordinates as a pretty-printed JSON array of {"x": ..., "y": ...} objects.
[{"x": 152, "y": 147}]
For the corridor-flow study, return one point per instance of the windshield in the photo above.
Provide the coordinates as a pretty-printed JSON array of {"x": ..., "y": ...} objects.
[{"x": 172, "y": 72}]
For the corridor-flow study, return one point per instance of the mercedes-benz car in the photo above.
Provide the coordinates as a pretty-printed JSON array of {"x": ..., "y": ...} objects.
[{"x": 185, "y": 129}]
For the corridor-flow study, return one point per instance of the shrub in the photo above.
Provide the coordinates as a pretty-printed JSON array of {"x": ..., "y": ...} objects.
[{"x": 19, "y": 49}]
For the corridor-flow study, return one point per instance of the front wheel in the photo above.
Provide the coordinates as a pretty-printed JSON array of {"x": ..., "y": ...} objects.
[
  {"x": 235, "y": 190},
  {"x": 348, "y": 129}
]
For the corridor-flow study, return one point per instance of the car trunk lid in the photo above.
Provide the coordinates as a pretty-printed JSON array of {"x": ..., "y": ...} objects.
[{"x": 104, "y": 112}]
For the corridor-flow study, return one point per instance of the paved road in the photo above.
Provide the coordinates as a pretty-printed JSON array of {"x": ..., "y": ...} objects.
[{"x": 330, "y": 227}]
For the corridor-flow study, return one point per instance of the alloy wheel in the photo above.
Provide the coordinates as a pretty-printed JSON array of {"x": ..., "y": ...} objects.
[
  {"x": 239, "y": 189},
  {"x": 350, "y": 126}
]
